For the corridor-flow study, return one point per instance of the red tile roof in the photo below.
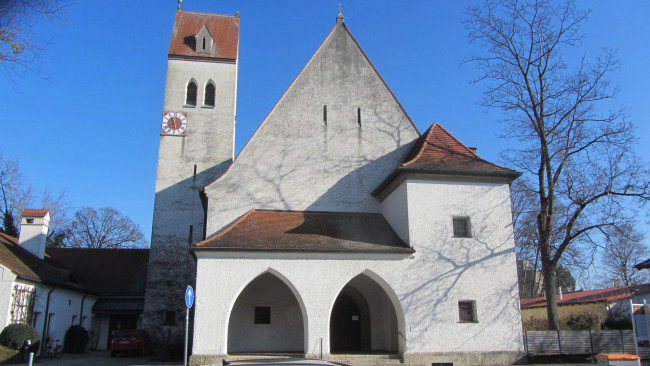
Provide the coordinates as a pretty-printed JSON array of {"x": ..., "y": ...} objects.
[
  {"x": 607, "y": 295},
  {"x": 224, "y": 29},
  {"x": 308, "y": 231},
  {"x": 107, "y": 271},
  {"x": 34, "y": 213},
  {"x": 439, "y": 150},
  {"x": 31, "y": 268}
]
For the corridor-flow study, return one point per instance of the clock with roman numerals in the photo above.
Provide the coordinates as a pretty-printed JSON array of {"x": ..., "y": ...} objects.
[{"x": 174, "y": 124}]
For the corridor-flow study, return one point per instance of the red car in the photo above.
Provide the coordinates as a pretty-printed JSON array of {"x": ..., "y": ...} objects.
[{"x": 131, "y": 341}]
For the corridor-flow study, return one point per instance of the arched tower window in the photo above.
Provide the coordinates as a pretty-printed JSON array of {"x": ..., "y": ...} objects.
[
  {"x": 190, "y": 97},
  {"x": 209, "y": 94}
]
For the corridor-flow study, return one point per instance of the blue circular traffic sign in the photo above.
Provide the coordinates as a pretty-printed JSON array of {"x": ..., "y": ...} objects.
[{"x": 189, "y": 296}]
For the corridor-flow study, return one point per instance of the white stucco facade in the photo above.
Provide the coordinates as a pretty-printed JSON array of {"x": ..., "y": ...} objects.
[
  {"x": 422, "y": 290},
  {"x": 61, "y": 308},
  {"x": 336, "y": 142}
]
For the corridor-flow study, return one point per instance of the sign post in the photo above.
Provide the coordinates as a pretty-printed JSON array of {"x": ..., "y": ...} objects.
[{"x": 189, "y": 301}]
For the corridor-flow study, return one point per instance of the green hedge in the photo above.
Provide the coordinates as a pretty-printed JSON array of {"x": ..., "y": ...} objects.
[{"x": 15, "y": 335}]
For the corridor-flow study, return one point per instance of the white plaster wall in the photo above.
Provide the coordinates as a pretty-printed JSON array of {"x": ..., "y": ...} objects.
[
  {"x": 316, "y": 279},
  {"x": 426, "y": 286},
  {"x": 178, "y": 211},
  {"x": 481, "y": 268},
  {"x": 285, "y": 331},
  {"x": 395, "y": 210},
  {"x": 63, "y": 304},
  {"x": 296, "y": 161},
  {"x": 100, "y": 324},
  {"x": 7, "y": 280}
]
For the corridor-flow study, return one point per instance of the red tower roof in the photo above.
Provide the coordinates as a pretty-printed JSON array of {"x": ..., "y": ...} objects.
[{"x": 224, "y": 29}]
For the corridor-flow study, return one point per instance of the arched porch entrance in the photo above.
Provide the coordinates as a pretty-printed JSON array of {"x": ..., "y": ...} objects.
[
  {"x": 363, "y": 319},
  {"x": 266, "y": 318}
]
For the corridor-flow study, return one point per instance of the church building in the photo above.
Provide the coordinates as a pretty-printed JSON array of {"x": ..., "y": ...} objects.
[{"x": 338, "y": 230}]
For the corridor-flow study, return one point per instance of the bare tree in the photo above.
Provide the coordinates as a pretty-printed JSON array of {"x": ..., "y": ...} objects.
[
  {"x": 20, "y": 44},
  {"x": 624, "y": 248},
  {"x": 103, "y": 228},
  {"x": 578, "y": 161},
  {"x": 15, "y": 192}
]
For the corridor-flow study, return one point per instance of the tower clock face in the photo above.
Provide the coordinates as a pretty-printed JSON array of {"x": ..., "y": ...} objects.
[{"x": 174, "y": 124}]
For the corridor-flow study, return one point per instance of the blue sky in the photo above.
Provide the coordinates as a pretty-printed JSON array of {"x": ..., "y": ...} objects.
[{"x": 92, "y": 127}]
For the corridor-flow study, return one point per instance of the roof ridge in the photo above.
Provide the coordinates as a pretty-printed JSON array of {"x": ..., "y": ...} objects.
[{"x": 210, "y": 14}]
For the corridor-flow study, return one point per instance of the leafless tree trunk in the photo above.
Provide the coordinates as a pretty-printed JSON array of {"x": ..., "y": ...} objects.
[{"x": 578, "y": 160}]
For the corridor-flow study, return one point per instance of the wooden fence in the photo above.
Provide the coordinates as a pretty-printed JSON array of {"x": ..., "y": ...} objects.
[{"x": 577, "y": 343}]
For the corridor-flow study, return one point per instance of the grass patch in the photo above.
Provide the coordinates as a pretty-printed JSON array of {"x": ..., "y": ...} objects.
[{"x": 8, "y": 355}]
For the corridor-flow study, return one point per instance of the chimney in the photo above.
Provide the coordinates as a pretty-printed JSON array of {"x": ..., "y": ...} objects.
[
  {"x": 559, "y": 291},
  {"x": 34, "y": 225}
]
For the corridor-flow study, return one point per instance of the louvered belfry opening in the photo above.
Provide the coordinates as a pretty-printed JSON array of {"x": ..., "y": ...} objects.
[
  {"x": 190, "y": 98},
  {"x": 209, "y": 95}
]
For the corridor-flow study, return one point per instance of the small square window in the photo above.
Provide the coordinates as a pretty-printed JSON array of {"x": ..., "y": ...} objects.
[
  {"x": 262, "y": 315},
  {"x": 462, "y": 228},
  {"x": 170, "y": 318},
  {"x": 467, "y": 312}
]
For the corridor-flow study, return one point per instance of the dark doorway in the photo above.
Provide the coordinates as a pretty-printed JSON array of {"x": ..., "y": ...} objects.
[{"x": 349, "y": 324}]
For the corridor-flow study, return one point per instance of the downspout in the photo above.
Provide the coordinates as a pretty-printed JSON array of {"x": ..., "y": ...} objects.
[
  {"x": 81, "y": 312},
  {"x": 46, "y": 319}
]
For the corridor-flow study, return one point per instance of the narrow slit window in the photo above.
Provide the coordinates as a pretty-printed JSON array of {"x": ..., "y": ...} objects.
[
  {"x": 262, "y": 315},
  {"x": 209, "y": 95},
  {"x": 325, "y": 113},
  {"x": 190, "y": 98},
  {"x": 359, "y": 116}
]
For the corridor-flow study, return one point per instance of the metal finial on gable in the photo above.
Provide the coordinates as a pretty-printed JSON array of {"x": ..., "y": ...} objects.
[
  {"x": 179, "y": 5},
  {"x": 340, "y": 18}
]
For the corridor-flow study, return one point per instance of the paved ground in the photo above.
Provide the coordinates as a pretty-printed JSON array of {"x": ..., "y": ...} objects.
[{"x": 102, "y": 358}]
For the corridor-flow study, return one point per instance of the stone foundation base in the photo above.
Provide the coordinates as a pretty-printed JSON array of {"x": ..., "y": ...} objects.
[
  {"x": 410, "y": 359},
  {"x": 465, "y": 358}
]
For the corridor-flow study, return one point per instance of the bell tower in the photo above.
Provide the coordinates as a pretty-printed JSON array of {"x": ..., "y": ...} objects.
[{"x": 197, "y": 132}]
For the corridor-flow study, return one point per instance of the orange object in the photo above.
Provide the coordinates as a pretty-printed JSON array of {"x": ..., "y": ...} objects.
[{"x": 617, "y": 356}]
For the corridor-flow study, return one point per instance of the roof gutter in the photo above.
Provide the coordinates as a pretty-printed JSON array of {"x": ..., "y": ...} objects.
[
  {"x": 509, "y": 175},
  {"x": 404, "y": 251}
]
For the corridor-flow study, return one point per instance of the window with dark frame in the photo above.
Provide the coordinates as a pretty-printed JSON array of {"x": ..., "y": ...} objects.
[
  {"x": 462, "y": 227},
  {"x": 467, "y": 311},
  {"x": 209, "y": 95},
  {"x": 190, "y": 98},
  {"x": 262, "y": 315}
]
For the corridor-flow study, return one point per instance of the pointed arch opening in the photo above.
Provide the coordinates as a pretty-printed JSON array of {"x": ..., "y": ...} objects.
[
  {"x": 190, "y": 95},
  {"x": 266, "y": 318},
  {"x": 364, "y": 318},
  {"x": 209, "y": 96}
]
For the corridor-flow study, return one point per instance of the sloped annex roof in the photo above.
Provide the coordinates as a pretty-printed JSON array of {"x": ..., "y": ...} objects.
[
  {"x": 608, "y": 295},
  {"x": 224, "y": 29},
  {"x": 438, "y": 152},
  {"x": 262, "y": 230},
  {"x": 30, "y": 268},
  {"x": 643, "y": 265},
  {"x": 107, "y": 271}
]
